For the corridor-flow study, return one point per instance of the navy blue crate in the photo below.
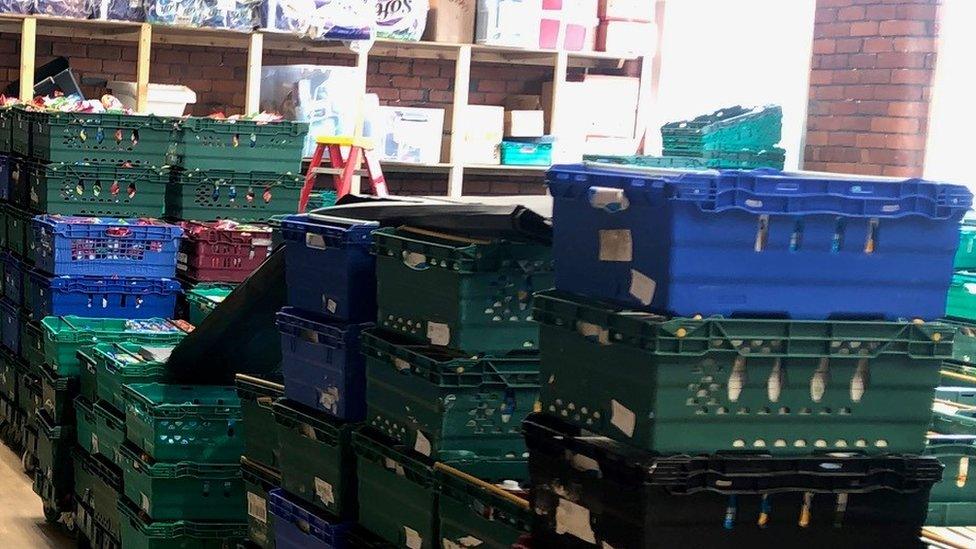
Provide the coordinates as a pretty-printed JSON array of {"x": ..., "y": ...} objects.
[
  {"x": 13, "y": 279},
  {"x": 322, "y": 364},
  {"x": 92, "y": 246},
  {"x": 328, "y": 267},
  {"x": 4, "y": 177},
  {"x": 299, "y": 528},
  {"x": 98, "y": 297},
  {"x": 762, "y": 242},
  {"x": 10, "y": 326}
]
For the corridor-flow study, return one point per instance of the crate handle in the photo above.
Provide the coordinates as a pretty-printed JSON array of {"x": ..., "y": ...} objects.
[
  {"x": 118, "y": 232},
  {"x": 609, "y": 199},
  {"x": 512, "y": 498}
]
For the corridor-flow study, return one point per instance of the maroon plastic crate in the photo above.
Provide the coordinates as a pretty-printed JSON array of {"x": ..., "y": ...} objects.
[{"x": 222, "y": 251}]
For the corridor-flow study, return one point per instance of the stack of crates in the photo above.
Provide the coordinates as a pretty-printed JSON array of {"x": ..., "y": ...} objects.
[{"x": 740, "y": 358}]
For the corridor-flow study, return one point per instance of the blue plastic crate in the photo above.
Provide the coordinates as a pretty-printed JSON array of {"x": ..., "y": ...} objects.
[
  {"x": 13, "y": 279},
  {"x": 299, "y": 528},
  {"x": 10, "y": 326},
  {"x": 322, "y": 364},
  {"x": 125, "y": 297},
  {"x": 92, "y": 246},
  {"x": 328, "y": 267},
  {"x": 762, "y": 242}
]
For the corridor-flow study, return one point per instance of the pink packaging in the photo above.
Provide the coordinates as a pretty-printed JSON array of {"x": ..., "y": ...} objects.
[{"x": 568, "y": 25}]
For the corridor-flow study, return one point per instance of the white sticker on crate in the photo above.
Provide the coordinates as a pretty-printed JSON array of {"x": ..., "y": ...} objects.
[
  {"x": 400, "y": 364},
  {"x": 414, "y": 260},
  {"x": 257, "y": 507},
  {"x": 588, "y": 329},
  {"x": 411, "y": 538},
  {"x": 438, "y": 333},
  {"x": 331, "y": 305},
  {"x": 323, "y": 491},
  {"x": 145, "y": 502},
  {"x": 622, "y": 418},
  {"x": 642, "y": 287},
  {"x": 609, "y": 199},
  {"x": 584, "y": 463},
  {"x": 422, "y": 445},
  {"x": 94, "y": 444},
  {"x": 470, "y": 541},
  {"x": 307, "y": 431},
  {"x": 574, "y": 519},
  {"x": 616, "y": 245},
  {"x": 315, "y": 241}
]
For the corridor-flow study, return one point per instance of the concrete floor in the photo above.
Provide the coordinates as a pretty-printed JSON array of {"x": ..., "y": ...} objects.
[{"x": 22, "y": 524}]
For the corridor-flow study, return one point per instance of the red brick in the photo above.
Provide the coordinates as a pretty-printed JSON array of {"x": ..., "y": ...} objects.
[
  {"x": 847, "y": 45},
  {"x": 918, "y": 12},
  {"x": 906, "y": 142},
  {"x": 898, "y": 92},
  {"x": 841, "y": 167},
  {"x": 496, "y": 86},
  {"x": 870, "y": 140},
  {"x": 878, "y": 45},
  {"x": 846, "y": 77},
  {"x": 851, "y": 13},
  {"x": 206, "y": 59},
  {"x": 124, "y": 68},
  {"x": 425, "y": 69},
  {"x": 830, "y": 30},
  {"x": 818, "y": 77},
  {"x": 901, "y": 60},
  {"x": 902, "y": 171},
  {"x": 402, "y": 82},
  {"x": 495, "y": 98},
  {"x": 825, "y": 15},
  {"x": 105, "y": 52},
  {"x": 833, "y": 3},
  {"x": 63, "y": 49},
  {"x": 437, "y": 96},
  {"x": 378, "y": 80},
  {"x": 843, "y": 139},
  {"x": 839, "y": 154},
  {"x": 827, "y": 92},
  {"x": 414, "y": 95},
  {"x": 903, "y": 28},
  {"x": 171, "y": 56},
  {"x": 443, "y": 84},
  {"x": 881, "y": 13},
  {"x": 814, "y": 166},
  {"x": 386, "y": 94},
  {"x": 842, "y": 108},
  {"x": 824, "y": 45},
  {"x": 874, "y": 76},
  {"x": 894, "y": 125},
  {"x": 862, "y": 61},
  {"x": 859, "y": 92},
  {"x": 394, "y": 67},
  {"x": 864, "y": 28},
  {"x": 815, "y": 138},
  {"x": 872, "y": 107},
  {"x": 911, "y": 76},
  {"x": 841, "y": 61},
  {"x": 84, "y": 64},
  {"x": 915, "y": 44},
  {"x": 226, "y": 86}
]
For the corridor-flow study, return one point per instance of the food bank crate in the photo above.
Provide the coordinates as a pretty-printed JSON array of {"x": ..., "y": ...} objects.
[
  {"x": 98, "y": 487},
  {"x": 107, "y": 138},
  {"x": 57, "y": 393},
  {"x": 203, "y": 298},
  {"x": 18, "y": 182},
  {"x": 101, "y": 297},
  {"x": 730, "y": 128},
  {"x": 93, "y": 246},
  {"x": 183, "y": 490},
  {"x": 22, "y": 121},
  {"x": 8, "y": 375},
  {"x": 446, "y": 404},
  {"x": 29, "y": 392},
  {"x": 591, "y": 491},
  {"x": 322, "y": 363},
  {"x": 680, "y": 162},
  {"x": 6, "y": 130},
  {"x": 474, "y": 295},
  {"x": 706, "y": 385},
  {"x": 328, "y": 266},
  {"x": 13, "y": 279},
  {"x": 108, "y": 431},
  {"x": 526, "y": 153},
  {"x": 217, "y": 194},
  {"x": 18, "y": 229},
  {"x": 316, "y": 458},
  {"x": 957, "y": 453},
  {"x": 299, "y": 527},
  {"x": 118, "y": 364},
  {"x": 261, "y": 438},
  {"x": 961, "y": 299},
  {"x": 258, "y": 481},
  {"x": 966, "y": 254},
  {"x": 210, "y": 144},
  {"x": 796, "y": 245},
  {"x": 138, "y": 532},
  {"x": 175, "y": 422},
  {"x": 98, "y": 190},
  {"x": 85, "y": 423},
  {"x": 746, "y": 159},
  {"x": 953, "y": 418},
  {"x": 54, "y": 480},
  {"x": 479, "y": 512},
  {"x": 223, "y": 251},
  {"x": 10, "y": 323},
  {"x": 64, "y": 335}
]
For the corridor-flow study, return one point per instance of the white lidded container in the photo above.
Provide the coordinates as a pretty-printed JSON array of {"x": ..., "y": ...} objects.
[
  {"x": 514, "y": 23},
  {"x": 164, "y": 99}
]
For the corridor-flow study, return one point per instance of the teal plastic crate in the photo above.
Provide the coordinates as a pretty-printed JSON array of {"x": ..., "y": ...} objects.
[
  {"x": 524, "y": 153},
  {"x": 118, "y": 364},
  {"x": 946, "y": 513},
  {"x": 961, "y": 299},
  {"x": 8, "y": 375},
  {"x": 471, "y": 512},
  {"x": 184, "y": 490},
  {"x": 98, "y": 488},
  {"x": 257, "y": 408},
  {"x": 258, "y": 481},
  {"x": 204, "y": 298},
  {"x": 966, "y": 254},
  {"x": 745, "y": 159},
  {"x": 179, "y": 422},
  {"x": 85, "y": 424},
  {"x": 958, "y": 454},
  {"x": 673, "y": 162},
  {"x": 242, "y": 145},
  {"x": 54, "y": 478},
  {"x": 93, "y": 189},
  {"x": 216, "y": 194},
  {"x": 137, "y": 140},
  {"x": 140, "y": 533},
  {"x": 109, "y": 432}
]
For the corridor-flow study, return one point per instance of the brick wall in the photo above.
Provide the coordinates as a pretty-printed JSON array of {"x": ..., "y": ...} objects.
[{"x": 870, "y": 82}]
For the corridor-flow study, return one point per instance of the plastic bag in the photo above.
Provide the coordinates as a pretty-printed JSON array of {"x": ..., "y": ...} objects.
[
  {"x": 63, "y": 8},
  {"x": 16, "y": 6},
  {"x": 401, "y": 19},
  {"x": 320, "y": 19},
  {"x": 234, "y": 14},
  {"x": 119, "y": 10},
  {"x": 193, "y": 13}
]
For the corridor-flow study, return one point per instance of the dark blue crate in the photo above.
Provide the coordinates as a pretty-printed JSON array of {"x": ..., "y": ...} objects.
[
  {"x": 762, "y": 242},
  {"x": 91, "y": 246},
  {"x": 4, "y": 177},
  {"x": 322, "y": 364},
  {"x": 297, "y": 527},
  {"x": 97, "y": 297},
  {"x": 328, "y": 266},
  {"x": 10, "y": 326},
  {"x": 13, "y": 279}
]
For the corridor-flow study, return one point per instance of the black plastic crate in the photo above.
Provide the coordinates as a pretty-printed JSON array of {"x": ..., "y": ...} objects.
[{"x": 592, "y": 491}]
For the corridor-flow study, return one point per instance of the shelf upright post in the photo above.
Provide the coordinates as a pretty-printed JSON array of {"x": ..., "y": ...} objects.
[
  {"x": 462, "y": 83},
  {"x": 559, "y": 72},
  {"x": 28, "y": 47},
  {"x": 255, "y": 52},
  {"x": 362, "y": 65},
  {"x": 142, "y": 67}
]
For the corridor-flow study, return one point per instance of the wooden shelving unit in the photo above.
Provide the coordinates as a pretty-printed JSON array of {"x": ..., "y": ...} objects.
[{"x": 255, "y": 43}]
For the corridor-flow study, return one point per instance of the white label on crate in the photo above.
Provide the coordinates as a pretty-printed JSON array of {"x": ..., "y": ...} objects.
[
  {"x": 307, "y": 431},
  {"x": 585, "y": 463},
  {"x": 394, "y": 466},
  {"x": 323, "y": 491},
  {"x": 414, "y": 260},
  {"x": 438, "y": 333},
  {"x": 470, "y": 541},
  {"x": 331, "y": 305},
  {"x": 574, "y": 519},
  {"x": 587, "y": 329},
  {"x": 400, "y": 364},
  {"x": 422, "y": 445},
  {"x": 315, "y": 241},
  {"x": 257, "y": 507},
  {"x": 642, "y": 287},
  {"x": 622, "y": 418},
  {"x": 616, "y": 245},
  {"x": 145, "y": 502},
  {"x": 605, "y": 545},
  {"x": 412, "y": 538},
  {"x": 95, "y": 444},
  {"x": 181, "y": 257},
  {"x": 609, "y": 199},
  {"x": 448, "y": 544}
]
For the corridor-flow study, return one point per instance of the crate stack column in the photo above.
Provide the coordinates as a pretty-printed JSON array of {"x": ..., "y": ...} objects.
[{"x": 747, "y": 324}]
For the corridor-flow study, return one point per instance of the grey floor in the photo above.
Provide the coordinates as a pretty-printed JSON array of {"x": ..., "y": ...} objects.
[{"x": 22, "y": 524}]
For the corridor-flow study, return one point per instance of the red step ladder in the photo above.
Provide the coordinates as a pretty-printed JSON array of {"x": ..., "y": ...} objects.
[{"x": 344, "y": 167}]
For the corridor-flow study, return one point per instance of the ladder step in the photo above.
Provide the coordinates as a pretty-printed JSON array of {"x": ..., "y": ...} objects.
[{"x": 336, "y": 171}]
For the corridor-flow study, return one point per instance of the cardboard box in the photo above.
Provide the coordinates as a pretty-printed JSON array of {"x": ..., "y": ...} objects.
[
  {"x": 451, "y": 21},
  {"x": 481, "y": 134},
  {"x": 410, "y": 134},
  {"x": 613, "y": 115},
  {"x": 626, "y": 37},
  {"x": 568, "y": 25},
  {"x": 523, "y": 103},
  {"x": 508, "y": 23},
  {"x": 525, "y": 123},
  {"x": 627, "y": 10}
]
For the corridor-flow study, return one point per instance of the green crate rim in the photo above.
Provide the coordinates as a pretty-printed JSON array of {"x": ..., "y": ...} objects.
[
  {"x": 379, "y": 452},
  {"x": 326, "y": 431},
  {"x": 472, "y": 496},
  {"x": 50, "y": 430},
  {"x": 281, "y": 127},
  {"x": 115, "y": 120},
  {"x": 86, "y": 334},
  {"x": 287, "y": 180},
  {"x": 96, "y": 467},
  {"x": 463, "y": 258},
  {"x": 253, "y": 388},
  {"x": 116, "y": 368},
  {"x": 180, "y": 528},
  {"x": 182, "y": 469},
  {"x": 58, "y": 383},
  {"x": 256, "y": 473},
  {"x": 131, "y": 393},
  {"x": 203, "y": 297}
]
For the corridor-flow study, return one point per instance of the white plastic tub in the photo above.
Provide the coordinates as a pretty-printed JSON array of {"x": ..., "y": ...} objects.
[{"x": 164, "y": 99}]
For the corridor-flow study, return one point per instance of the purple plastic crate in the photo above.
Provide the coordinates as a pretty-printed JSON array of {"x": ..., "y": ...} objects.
[
  {"x": 97, "y": 297},
  {"x": 322, "y": 363}
]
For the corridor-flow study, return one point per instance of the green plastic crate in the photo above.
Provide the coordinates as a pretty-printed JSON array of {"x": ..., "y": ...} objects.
[
  {"x": 732, "y": 127},
  {"x": 958, "y": 454},
  {"x": 98, "y": 486},
  {"x": 8, "y": 375},
  {"x": 64, "y": 335},
  {"x": 87, "y": 374},
  {"x": 261, "y": 438},
  {"x": 139, "y": 533},
  {"x": 746, "y": 159},
  {"x": 210, "y": 144},
  {"x": 6, "y": 129},
  {"x": 118, "y": 364},
  {"x": 19, "y": 238},
  {"x": 85, "y": 424},
  {"x": 706, "y": 385},
  {"x": 226, "y": 194},
  {"x": 454, "y": 292},
  {"x": 177, "y": 422},
  {"x": 110, "y": 138},
  {"x": 3, "y": 235},
  {"x": 32, "y": 342},
  {"x": 184, "y": 490},
  {"x": 446, "y": 404},
  {"x": 951, "y": 514},
  {"x": 966, "y": 254},
  {"x": 54, "y": 444},
  {"x": 961, "y": 299},
  {"x": 204, "y": 298},
  {"x": 99, "y": 190},
  {"x": 109, "y": 432},
  {"x": 28, "y": 391},
  {"x": 953, "y": 418},
  {"x": 472, "y": 512},
  {"x": 22, "y": 121},
  {"x": 316, "y": 458},
  {"x": 57, "y": 393},
  {"x": 258, "y": 481}
]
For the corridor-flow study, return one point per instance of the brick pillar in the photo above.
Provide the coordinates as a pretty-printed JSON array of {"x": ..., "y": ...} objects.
[{"x": 870, "y": 82}]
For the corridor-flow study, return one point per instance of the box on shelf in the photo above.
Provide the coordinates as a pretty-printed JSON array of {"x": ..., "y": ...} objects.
[
  {"x": 568, "y": 25},
  {"x": 450, "y": 21},
  {"x": 626, "y": 10},
  {"x": 482, "y": 134},
  {"x": 525, "y": 123},
  {"x": 398, "y": 20},
  {"x": 527, "y": 152},
  {"x": 119, "y": 10},
  {"x": 513, "y": 23},
  {"x": 410, "y": 134},
  {"x": 203, "y": 298},
  {"x": 164, "y": 99},
  {"x": 321, "y": 19},
  {"x": 626, "y": 37}
]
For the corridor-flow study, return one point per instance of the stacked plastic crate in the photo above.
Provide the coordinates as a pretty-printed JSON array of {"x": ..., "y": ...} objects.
[{"x": 748, "y": 354}]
